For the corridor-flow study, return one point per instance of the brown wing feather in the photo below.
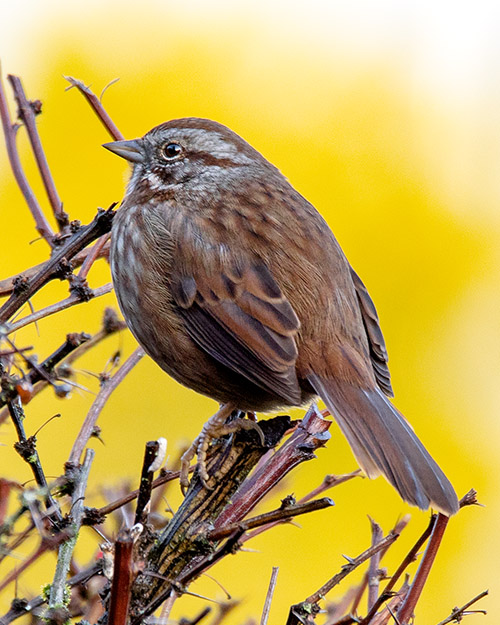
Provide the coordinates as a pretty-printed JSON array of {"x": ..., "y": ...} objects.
[
  {"x": 378, "y": 351},
  {"x": 246, "y": 324}
]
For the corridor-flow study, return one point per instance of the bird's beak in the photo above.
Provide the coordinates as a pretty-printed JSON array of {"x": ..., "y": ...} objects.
[{"x": 132, "y": 151}]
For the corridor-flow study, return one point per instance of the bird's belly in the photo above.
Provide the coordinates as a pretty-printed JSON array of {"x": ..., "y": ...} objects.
[{"x": 151, "y": 315}]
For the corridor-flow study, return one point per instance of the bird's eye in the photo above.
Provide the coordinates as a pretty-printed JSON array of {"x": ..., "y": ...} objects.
[{"x": 171, "y": 151}]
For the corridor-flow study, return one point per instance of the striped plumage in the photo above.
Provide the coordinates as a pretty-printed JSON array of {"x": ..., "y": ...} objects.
[{"x": 236, "y": 286}]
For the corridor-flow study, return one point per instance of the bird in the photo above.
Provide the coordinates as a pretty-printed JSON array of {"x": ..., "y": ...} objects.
[{"x": 236, "y": 286}]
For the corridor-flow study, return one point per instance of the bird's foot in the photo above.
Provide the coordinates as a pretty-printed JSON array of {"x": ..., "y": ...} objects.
[{"x": 214, "y": 428}]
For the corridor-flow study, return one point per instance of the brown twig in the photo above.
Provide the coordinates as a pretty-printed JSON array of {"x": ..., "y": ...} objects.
[
  {"x": 330, "y": 481},
  {"x": 423, "y": 571},
  {"x": 65, "y": 554},
  {"x": 102, "y": 397},
  {"x": 269, "y": 597},
  {"x": 122, "y": 578},
  {"x": 26, "y": 448},
  {"x": 149, "y": 466},
  {"x": 8, "y": 285},
  {"x": 74, "y": 348},
  {"x": 95, "y": 252},
  {"x": 390, "y": 611},
  {"x": 21, "y": 607},
  {"x": 43, "y": 371},
  {"x": 311, "y": 433},
  {"x": 409, "y": 558},
  {"x": 27, "y": 115},
  {"x": 281, "y": 514},
  {"x": 42, "y": 225},
  {"x": 57, "y": 307},
  {"x": 351, "y": 565},
  {"x": 373, "y": 571},
  {"x": 98, "y": 108},
  {"x": 59, "y": 264},
  {"x": 457, "y": 613},
  {"x": 305, "y": 611}
]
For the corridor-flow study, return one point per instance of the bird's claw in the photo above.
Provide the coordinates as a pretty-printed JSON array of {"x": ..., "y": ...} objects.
[{"x": 213, "y": 428}]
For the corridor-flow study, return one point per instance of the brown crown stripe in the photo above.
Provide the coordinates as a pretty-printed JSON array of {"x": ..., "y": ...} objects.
[{"x": 210, "y": 160}]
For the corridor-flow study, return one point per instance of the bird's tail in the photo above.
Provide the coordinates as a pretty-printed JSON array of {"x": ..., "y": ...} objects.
[{"x": 384, "y": 442}]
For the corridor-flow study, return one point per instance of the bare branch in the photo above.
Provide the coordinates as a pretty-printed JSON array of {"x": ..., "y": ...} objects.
[
  {"x": 58, "y": 589},
  {"x": 8, "y": 285},
  {"x": 27, "y": 115},
  {"x": 26, "y": 448},
  {"x": 284, "y": 513},
  {"x": 42, "y": 225},
  {"x": 94, "y": 253},
  {"x": 413, "y": 596},
  {"x": 97, "y": 106},
  {"x": 351, "y": 565},
  {"x": 58, "y": 266},
  {"x": 269, "y": 596},
  {"x": 122, "y": 578},
  {"x": 153, "y": 450},
  {"x": 57, "y": 307},
  {"x": 457, "y": 613},
  {"x": 95, "y": 410},
  {"x": 373, "y": 573},
  {"x": 42, "y": 371},
  {"x": 305, "y": 611},
  {"x": 409, "y": 558}
]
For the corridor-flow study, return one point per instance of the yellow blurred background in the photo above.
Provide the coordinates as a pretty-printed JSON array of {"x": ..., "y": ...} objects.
[{"x": 386, "y": 116}]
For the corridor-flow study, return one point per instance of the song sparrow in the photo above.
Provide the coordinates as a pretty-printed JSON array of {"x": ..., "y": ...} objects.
[{"x": 235, "y": 285}]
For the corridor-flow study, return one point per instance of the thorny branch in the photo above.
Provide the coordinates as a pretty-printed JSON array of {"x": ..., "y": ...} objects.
[
  {"x": 59, "y": 266},
  {"x": 458, "y": 613}
]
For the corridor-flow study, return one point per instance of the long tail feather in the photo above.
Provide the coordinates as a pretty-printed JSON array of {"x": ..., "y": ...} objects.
[{"x": 383, "y": 442}]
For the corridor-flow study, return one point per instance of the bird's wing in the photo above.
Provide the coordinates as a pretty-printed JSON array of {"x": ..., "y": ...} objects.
[
  {"x": 240, "y": 317},
  {"x": 378, "y": 351}
]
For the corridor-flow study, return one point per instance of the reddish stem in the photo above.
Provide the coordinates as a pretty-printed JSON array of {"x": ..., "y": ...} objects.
[
  {"x": 42, "y": 225},
  {"x": 424, "y": 569},
  {"x": 27, "y": 115},
  {"x": 98, "y": 108}
]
